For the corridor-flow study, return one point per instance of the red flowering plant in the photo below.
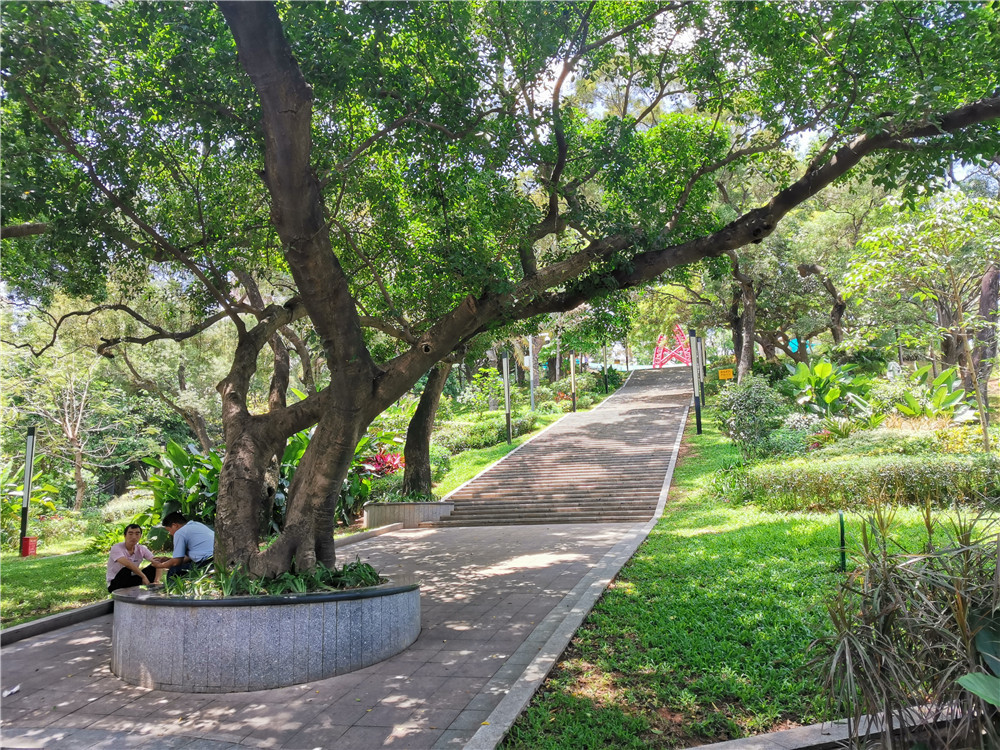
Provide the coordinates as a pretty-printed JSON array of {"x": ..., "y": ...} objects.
[{"x": 382, "y": 464}]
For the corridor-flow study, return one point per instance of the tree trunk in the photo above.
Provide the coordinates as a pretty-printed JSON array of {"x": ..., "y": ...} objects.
[
  {"x": 198, "y": 426},
  {"x": 736, "y": 326},
  {"x": 81, "y": 486},
  {"x": 985, "y": 351},
  {"x": 951, "y": 344},
  {"x": 550, "y": 370},
  {"x": 417, "y": 451},
  {"x": 768, "y": 345},
  {"x": 749, "y": 322}
]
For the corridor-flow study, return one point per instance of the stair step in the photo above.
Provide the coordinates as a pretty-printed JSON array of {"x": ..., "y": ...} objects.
[{"x": 541, "y": 520}]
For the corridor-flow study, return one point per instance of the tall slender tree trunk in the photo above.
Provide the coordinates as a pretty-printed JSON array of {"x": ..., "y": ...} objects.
[
  {"x": 985, "y": 351},
  {"x": 749, "y": 321},
  {"x": 417, "y": 451},
  {"x": 81, "y": 486},
  {"x": 736, "y": 325}
]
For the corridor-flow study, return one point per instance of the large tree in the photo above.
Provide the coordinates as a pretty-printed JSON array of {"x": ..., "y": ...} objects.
[{"x": 387, "y": 158}]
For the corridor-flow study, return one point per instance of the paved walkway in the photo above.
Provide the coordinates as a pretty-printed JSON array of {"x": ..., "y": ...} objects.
[{"x": 499, "y": 605}]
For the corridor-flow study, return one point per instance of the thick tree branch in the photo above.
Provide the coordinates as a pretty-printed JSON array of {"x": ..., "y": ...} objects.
[{"x": 23, "y": 230}]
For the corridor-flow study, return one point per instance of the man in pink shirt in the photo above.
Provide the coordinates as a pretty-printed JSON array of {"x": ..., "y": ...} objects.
[{"x": 125, "y": 559}]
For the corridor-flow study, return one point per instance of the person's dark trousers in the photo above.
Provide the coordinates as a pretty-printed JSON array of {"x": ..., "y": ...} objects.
[
  {"x": 126, "y": 578},
  {"x": 186, "y": 568}
]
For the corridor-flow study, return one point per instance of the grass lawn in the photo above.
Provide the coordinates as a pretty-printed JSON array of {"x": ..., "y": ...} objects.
[
  {"x": 33, "y": 587},
  {"x": 705, "y": 633}
]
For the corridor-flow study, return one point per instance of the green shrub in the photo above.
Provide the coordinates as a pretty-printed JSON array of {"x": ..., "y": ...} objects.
[
  {"x": 824, "y": 388},
  {"x": 543, "y": 393},
  {"x": 885, "y": 393},
  {"x": 851, "y": 481},
  {"x": 942, "y": 396},
  {"x": 584, "y": 400},
  {"x": 963, "y": 439},
  {"x": 40, "y": 503},
  {"x": 548, "y": 407},
  {"x": 390, "y": 485},
  {"x": 749, "y": 412},
  {"x": 922, "y": 624},
  {"x": 881, "y": 442},
  {"x": 187, "y": 480},
  {"x": 126, "y": 506},
  {"x": 491, "y": 429},
  {"x": 867, "y": 360},
  {"x": 772, "y": 370},
  {"x": 440, "y": 459},
  {"x": 789, "y": 442}
]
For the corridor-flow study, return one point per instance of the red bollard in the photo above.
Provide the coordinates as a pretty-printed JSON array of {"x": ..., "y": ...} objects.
[{"x": 29, "y": 546}]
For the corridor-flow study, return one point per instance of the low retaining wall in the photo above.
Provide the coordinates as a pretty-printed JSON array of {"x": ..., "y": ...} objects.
[
  {"x": 409, "y": 514},
  {"x": 256, "y": 643}
]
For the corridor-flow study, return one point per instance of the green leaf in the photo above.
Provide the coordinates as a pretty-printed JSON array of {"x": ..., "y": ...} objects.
[
  {"x": 982, "y": 685},
  {"x": 823, "y": 369}
]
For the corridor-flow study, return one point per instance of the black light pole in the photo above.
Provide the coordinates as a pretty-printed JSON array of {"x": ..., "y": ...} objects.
[
  {"x": 572, "y": 376},
  {"x": 531, "y": 370},
  {"x": 605, "y": 368},
  {"x": 695, "y": 372},
  {"x": 29, "y": 467},
  {"x": 702, "y": 370}
]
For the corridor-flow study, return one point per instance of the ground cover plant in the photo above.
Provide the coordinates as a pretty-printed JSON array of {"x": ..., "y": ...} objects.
[{"x": 706, "y": 632}]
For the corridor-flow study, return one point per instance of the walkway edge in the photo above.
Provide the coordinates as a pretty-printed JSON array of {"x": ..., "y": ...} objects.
[
  {"x": 563, "y": 622},
  {"x": 54, "y": 622}
]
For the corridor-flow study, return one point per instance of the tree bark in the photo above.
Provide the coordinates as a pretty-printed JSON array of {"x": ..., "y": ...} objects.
[
  {"x": 749, "y": 321},
  {"x": 748, "y": 318},
  {"x": 736, "y": 324},
  {"x": 839, "y": 305},
  {"x": 417, "y": 451},
  {"x": 951, "y": 344},
  {"x": 81, "y": 486},
  {"x": 985, "y": 350}
]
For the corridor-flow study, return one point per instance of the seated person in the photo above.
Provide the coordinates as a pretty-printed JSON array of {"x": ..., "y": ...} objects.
[
  {"x": 125, "y": 559},
  {"x": 194, "y": 544}
]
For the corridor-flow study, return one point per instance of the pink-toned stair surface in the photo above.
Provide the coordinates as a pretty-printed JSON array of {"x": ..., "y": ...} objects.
[{"x": 606, "y": 465}]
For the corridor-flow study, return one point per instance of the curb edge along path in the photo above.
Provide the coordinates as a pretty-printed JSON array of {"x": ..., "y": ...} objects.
[{"x": 558, "y": 628}]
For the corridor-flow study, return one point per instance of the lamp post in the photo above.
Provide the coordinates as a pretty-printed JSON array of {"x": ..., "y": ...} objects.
[
  {"x": 572, "y": 376},
  {"x": 531, "y": 370},
  {"x": 695, "y": 377},
  {"x": 506, "y": 393},
  {"x": 605, "y": 368},
  {"x": 29, "y": 467}
]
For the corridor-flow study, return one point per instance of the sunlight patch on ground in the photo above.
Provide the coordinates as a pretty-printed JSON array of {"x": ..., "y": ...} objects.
[{"x": 526, "y": 562}]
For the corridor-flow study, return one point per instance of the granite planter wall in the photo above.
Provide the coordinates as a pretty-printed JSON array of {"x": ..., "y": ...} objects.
[
  {"x": 256, "y": 643},
  {"x": 408, "y": 514}
]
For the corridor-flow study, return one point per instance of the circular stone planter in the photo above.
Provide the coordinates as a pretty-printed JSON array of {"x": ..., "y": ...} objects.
[
  {"x": 411, "y": 515},
  {"x": 256, "y": 643}
]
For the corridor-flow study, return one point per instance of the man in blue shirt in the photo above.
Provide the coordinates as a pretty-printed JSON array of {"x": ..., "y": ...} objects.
[{"x": 194, "y": 544}]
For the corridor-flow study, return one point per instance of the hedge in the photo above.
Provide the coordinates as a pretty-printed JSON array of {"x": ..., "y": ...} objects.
[
  {"x": 853, "y": 482},
  {"x": 489, "y": 430}
]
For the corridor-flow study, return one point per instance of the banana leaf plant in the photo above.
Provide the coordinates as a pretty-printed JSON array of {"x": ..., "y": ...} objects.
[{"x": 942, "y": 396}]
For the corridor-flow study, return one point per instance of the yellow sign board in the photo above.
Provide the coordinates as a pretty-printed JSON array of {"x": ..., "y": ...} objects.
[{"x": 725, "y": 374}]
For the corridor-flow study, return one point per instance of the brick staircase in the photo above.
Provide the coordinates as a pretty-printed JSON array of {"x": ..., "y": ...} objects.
[{"x": 602, "y": 466}]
